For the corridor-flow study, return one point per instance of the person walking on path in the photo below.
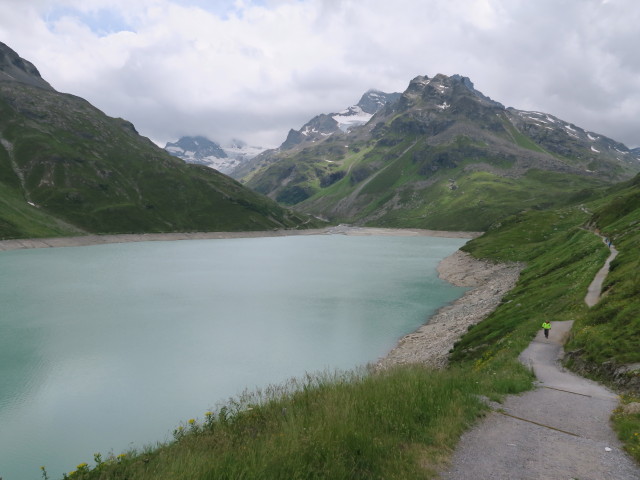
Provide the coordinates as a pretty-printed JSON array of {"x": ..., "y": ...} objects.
[{"x": 546, "y": 325}]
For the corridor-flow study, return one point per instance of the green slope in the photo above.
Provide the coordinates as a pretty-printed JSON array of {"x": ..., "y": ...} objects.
[
  {"x": 608, "y": 337},
  {"x": 85, "y": 171},
  {"x": 18, "y": 219},
  {"x": 563, "y": 255},
  {"x": 458, "y": 186}
]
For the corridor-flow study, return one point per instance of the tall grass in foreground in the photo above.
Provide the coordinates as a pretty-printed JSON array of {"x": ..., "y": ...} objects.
[
  {"x": 397, "y": 424},
  {"x": 628, "y": 427}
]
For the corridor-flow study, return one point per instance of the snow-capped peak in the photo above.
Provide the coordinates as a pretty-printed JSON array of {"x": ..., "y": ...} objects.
[{"x": 202, "y": 151}]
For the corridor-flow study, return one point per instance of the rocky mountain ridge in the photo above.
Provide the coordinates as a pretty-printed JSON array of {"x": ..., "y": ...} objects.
[
  {"x": 321, "y": 127},
  {"x": 324, "y": 125},
  {"x": 411, "y": 161},
  {"x": 15, "y": 68}
]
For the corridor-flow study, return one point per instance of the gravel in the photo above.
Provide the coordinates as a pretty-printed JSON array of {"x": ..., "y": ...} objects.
[
  {"x": 560, "y": 430},
  {"x": 430, "y": 344}
]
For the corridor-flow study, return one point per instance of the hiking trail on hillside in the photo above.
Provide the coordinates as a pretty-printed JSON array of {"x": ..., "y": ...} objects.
[
  {"x": 559, "y": 431},
  {"x": 595, "y": 289}
]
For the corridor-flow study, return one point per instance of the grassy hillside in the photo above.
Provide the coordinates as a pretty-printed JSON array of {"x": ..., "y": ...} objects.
[
  {"x": 562, "y": 258},
  {"x": 405, "y": 422},
  {"x": 396, "y": 425},
  {"x": 18, "y": 219},
  {"x": 65, "y": 167},
  {"x": 410, "y": 184},
  {"x": 607, "y": 339}
]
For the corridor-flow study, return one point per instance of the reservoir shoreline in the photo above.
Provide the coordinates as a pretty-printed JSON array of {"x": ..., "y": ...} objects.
[
  {"x": 89, "y": 240},
  {"x": 429, "y": 344}
]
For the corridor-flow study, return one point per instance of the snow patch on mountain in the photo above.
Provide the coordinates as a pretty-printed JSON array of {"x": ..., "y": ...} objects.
[
  {"x": 202, "y": 151},
  {"x": 352, "y": 117}
]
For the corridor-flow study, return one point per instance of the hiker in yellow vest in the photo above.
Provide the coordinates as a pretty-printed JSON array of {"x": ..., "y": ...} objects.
[{"x": 546, "y": 325}]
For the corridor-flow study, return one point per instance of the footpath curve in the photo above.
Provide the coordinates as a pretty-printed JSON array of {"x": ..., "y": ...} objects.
[
  {"x": 595, "y": 289},
  {"x": 559, "y": 431}
]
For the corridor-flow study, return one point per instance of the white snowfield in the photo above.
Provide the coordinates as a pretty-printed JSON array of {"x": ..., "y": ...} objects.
[{"x": 351, "y": 117}]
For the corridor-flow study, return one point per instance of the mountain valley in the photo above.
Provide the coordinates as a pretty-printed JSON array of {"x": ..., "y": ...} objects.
[{"x": 202, "y": 151}]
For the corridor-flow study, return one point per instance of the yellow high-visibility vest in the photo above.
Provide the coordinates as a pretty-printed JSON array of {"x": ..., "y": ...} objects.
[{"x": 546, "y": 325}]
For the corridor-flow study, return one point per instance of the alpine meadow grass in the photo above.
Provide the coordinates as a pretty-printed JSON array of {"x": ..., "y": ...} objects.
[{"x": 401, "y": 423}]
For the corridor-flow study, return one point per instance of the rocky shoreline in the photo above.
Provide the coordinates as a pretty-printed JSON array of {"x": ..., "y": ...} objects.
[{"x": 431, "y": 343}]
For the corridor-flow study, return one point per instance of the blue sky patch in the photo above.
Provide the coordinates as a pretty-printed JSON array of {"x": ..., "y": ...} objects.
[{"x": 102, "y": 22}]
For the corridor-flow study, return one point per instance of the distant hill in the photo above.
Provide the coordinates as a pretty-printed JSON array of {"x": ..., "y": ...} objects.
[
  {"x": 66, "y": 168},
  {"x": 443, "y": 155}
]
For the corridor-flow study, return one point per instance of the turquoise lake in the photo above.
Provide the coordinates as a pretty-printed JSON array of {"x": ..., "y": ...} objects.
[{"x": 110, "y": 347}]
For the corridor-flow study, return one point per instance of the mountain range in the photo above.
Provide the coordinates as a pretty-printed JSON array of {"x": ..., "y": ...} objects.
[
  {"x": 67, "y": 168},
  {"x": 440, "y": 155},
  {"x": 202, "y": 151},
  {"x": 235, "y": 158},
  {"x": 319, "y": 128},
  {"x": 324, "y": 125}
]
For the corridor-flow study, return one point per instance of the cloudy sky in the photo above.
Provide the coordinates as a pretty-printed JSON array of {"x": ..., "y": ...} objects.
[{"x": 253, "y": 69}]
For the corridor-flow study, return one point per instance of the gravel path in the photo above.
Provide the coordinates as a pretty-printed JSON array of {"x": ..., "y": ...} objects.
[
  {"x": 595, "y": 289},
  {"x": 560, "y": 430}
]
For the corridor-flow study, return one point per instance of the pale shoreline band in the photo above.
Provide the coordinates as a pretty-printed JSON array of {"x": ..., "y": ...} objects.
[{"x": 88, "y": 240}]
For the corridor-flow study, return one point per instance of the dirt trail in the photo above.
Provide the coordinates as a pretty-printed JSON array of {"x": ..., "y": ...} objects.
[
  {"x": 560, "y": 430},
  {"x": 595, "y": 289}
]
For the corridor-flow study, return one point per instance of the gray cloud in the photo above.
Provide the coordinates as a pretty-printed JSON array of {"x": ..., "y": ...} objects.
[{"x": 253, "y": 70}]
